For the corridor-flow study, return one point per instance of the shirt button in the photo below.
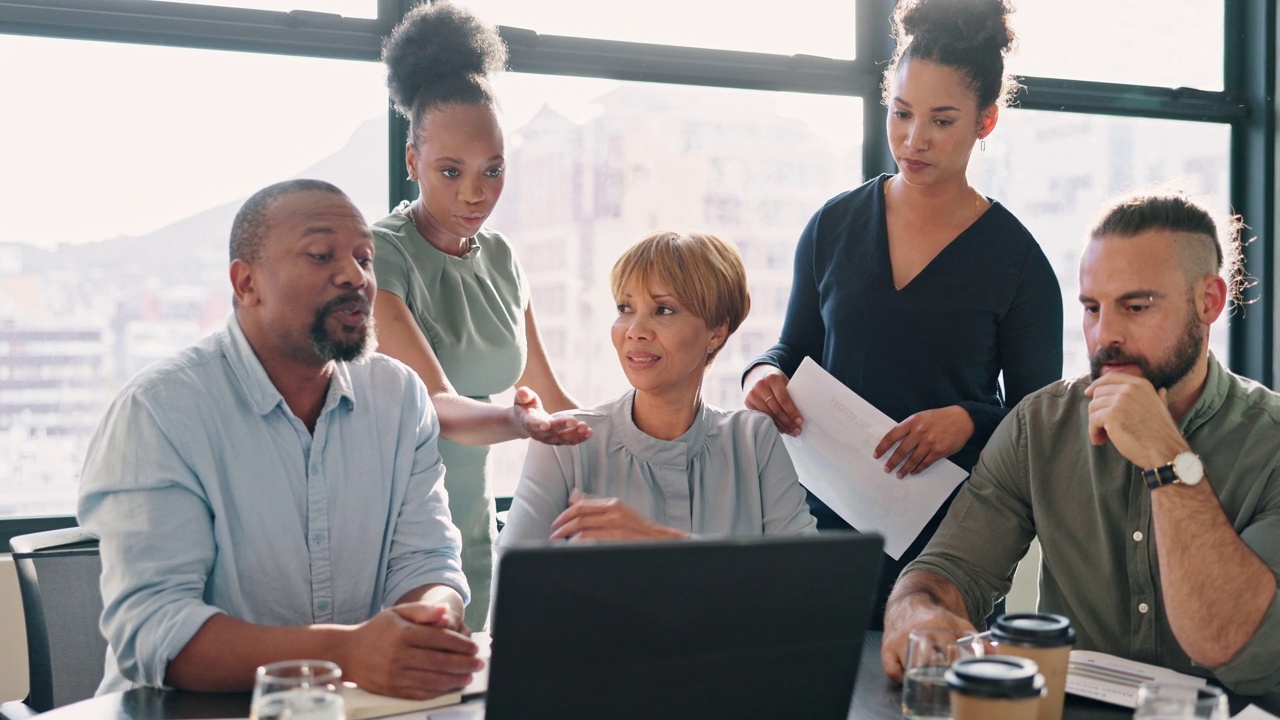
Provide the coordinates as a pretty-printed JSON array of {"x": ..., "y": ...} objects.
[
  {"x": 323, "y": 604},
  {"x": 317, "y": 539},
  {"x": 1137, "y": 536},
  {"x": 1143, "y": 608},
  {"x": 315, "y": 469}
]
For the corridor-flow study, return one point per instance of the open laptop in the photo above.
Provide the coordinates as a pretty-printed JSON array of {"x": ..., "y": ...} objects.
[{"x": 743, "y": 628}]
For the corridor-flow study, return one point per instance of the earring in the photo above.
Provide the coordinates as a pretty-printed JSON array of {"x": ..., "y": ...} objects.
[
  {"x": 710, "y": 349},
  {"x": 982, "y": 145}
]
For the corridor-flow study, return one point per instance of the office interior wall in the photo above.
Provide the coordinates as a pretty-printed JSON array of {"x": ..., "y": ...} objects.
[
  {"x": 13, "y": 635},
  {"x": 1022, "y": 596}
]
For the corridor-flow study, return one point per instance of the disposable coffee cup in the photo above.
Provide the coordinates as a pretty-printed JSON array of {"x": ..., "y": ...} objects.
[
  {"x": 1045, "y": 639},
  {"x": 995, "y": 687}
]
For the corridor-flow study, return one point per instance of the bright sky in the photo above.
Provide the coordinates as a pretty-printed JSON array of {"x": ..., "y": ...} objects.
[{"x": 103, "y": 139}]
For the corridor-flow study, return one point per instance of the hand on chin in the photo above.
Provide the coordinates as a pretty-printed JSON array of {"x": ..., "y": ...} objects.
[{"x": 1127, "y": 410}]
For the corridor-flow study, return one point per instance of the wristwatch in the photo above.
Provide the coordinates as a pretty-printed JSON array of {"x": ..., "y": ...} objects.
[{"x": 1186, "y": 469}]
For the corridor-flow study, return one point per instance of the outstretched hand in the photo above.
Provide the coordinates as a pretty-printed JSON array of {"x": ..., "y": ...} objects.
[{"x": 537, "y": 424}]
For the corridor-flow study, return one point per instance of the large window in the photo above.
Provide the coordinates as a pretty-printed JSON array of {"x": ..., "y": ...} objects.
[
  {"x": 346, "y": 8},
  {"x": 596, "y": 165},
  {"x": 1168, "y": 43},
  {"x": 809, "y": 27},
  {"x": 1081, "y": 162},
  {"x": 133, "y": 129},
  {"x": 123, "y": 166}
]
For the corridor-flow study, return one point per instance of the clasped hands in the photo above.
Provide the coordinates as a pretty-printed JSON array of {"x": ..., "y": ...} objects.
[
  {"x": 414, "y": 650},
  {"x": 597, "y": 518}
]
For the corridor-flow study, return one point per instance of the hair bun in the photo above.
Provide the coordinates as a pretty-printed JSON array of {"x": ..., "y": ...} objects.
[
  {"x": 436, "y": 43},
  {"x": 956, "y": 23}
]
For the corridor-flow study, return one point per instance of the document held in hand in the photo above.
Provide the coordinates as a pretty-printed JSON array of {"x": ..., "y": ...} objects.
[{"x": 833, "y": 457}]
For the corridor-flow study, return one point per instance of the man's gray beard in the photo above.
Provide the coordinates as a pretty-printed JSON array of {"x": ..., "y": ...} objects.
[{"x": 329, "y": 347}]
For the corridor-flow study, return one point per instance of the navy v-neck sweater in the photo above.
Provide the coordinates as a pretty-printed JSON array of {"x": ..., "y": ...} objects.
[{"x": 987, "y": 304}]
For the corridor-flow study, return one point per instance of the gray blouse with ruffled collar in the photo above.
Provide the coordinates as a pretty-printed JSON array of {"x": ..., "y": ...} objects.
[{"x": 727, "y": 475}]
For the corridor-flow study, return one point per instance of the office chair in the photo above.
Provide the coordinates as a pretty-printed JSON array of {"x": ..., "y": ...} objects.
[
  {"x": 502, "y": 505},
  {"x": 61, "y": 602}
]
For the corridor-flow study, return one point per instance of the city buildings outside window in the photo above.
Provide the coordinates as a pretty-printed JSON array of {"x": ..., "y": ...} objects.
[{"x": 123, "y": 165}]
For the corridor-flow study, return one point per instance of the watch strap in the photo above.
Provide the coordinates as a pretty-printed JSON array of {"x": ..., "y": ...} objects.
[{"x": 1159, "y": 477}]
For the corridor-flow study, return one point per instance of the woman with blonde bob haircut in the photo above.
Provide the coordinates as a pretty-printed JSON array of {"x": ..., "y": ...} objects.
[{"x": 661, "y": 464}]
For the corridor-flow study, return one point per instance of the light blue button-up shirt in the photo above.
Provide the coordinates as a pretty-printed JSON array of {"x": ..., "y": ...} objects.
[{"x": 210, "y": 496}]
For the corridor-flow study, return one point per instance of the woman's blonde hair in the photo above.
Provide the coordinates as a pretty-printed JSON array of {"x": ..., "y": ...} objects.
[{"x": 702, "y": 271}]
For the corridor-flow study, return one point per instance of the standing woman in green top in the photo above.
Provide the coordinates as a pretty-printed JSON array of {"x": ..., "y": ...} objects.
[{"x": 453, "y": 301}]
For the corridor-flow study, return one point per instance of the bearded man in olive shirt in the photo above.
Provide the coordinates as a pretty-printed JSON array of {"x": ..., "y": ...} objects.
[{"x": 1153, "y": 484}]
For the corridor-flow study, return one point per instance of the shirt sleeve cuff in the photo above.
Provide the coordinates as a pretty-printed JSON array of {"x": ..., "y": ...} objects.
[
  {"x": 1254, "y": 670},
  {"x": 976, "y": 596},
  {"x": 985, "y": 419},
  {"x": 172, "y": 637},
  {"x": 452, "y": 578},
  {"x": 762, "y": 360}
]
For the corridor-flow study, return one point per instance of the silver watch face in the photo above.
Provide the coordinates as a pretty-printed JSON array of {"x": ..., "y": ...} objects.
[{"x": 1188, "y": 468}]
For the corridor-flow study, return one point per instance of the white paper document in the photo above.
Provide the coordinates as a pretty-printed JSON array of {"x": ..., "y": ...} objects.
[
  {"x": 480, "y": 680},
  {"x": 833, "y": 457},
  {"x": 473, "y": 710},
  {"x": 1115, "y": 680}
]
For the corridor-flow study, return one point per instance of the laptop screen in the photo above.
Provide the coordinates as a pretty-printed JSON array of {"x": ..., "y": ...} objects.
[{"x": 742, "y": 628}]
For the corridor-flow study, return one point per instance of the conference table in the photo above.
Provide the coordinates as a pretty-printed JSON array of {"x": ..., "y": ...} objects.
[{"x": 875, "y": 697}]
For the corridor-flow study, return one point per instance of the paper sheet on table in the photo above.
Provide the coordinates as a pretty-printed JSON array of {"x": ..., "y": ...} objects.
[
  {"x": 833, "y": 459},
  {"x": 1253, "y": 712},
  {"x": 473, "y": 710},
  {"x": 480, "y": 680},
  {"x": 1115, "y": 680}
]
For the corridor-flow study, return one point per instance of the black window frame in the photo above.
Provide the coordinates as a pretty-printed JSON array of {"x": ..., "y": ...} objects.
[{"x": 1244, "y": 103}]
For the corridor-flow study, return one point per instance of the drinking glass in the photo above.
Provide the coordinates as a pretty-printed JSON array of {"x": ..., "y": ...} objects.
[
  {"x": 930, "y": 651},
  {"x": 298, "y": 690},
  {"x": 1180, "y": 701}
]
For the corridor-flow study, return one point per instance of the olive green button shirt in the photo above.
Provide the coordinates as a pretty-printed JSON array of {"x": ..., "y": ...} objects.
[{"x": 1041, "y": 476}]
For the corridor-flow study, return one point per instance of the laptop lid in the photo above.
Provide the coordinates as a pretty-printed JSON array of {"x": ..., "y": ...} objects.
[{"x": 705, "y": 629}]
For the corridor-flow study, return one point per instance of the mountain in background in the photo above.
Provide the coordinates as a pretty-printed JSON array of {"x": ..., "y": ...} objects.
[{"x": 187, "y": 247}]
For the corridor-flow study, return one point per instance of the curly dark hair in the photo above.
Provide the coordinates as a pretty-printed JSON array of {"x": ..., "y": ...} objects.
[
  {"x": 971, "y": 36},
  {"x": 441, "y": 54}
]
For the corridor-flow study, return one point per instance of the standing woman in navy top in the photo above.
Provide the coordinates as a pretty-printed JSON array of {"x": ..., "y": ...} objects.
[{"x": 914, "y": 290}]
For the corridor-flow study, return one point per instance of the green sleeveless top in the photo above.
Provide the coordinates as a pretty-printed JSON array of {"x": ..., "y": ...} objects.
[{"x": 471, "y": 309}]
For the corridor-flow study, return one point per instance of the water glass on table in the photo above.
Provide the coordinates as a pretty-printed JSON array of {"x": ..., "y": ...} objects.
[
  {"x": 298, "y": 690},
  {"x": 1180, "y": 701},
  {"x": 930, "y": 651}
]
